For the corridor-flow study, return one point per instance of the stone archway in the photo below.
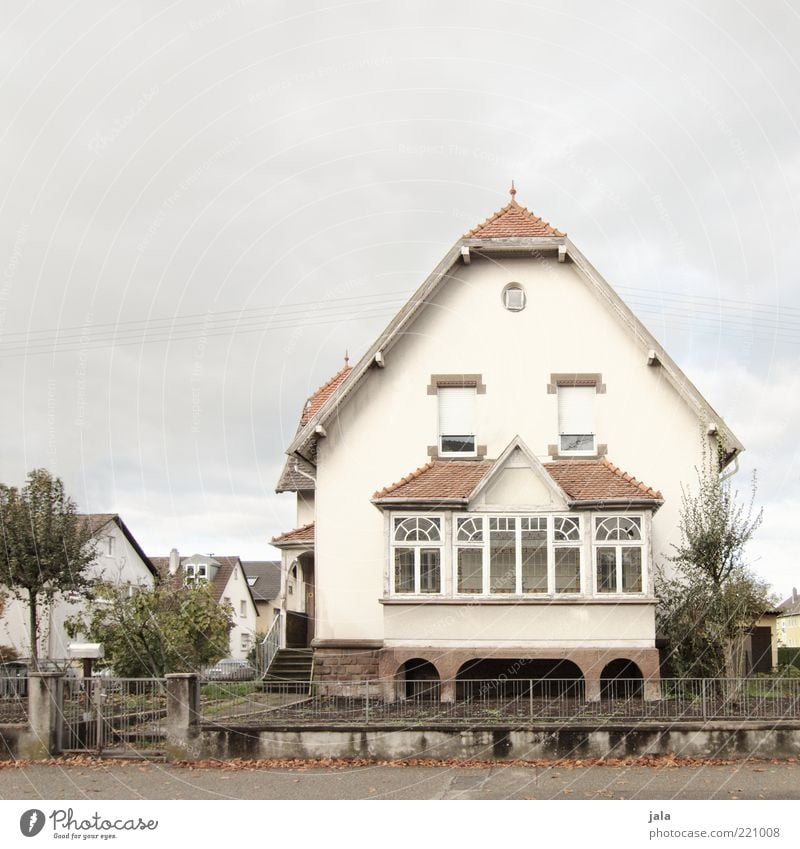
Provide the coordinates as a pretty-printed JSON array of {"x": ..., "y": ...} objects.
[
  {"x": 621, "y": 679},
  {"x": 419, "y": 679}
]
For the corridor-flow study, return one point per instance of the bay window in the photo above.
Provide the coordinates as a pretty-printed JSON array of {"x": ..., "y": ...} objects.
[{"x": 523, "y": 555}]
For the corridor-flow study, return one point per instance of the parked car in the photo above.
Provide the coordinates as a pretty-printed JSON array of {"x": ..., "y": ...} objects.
[{"x": 230, "y": 669}]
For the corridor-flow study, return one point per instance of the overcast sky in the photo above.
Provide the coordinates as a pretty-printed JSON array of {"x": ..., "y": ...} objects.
[{"x": 261, "y": 184}]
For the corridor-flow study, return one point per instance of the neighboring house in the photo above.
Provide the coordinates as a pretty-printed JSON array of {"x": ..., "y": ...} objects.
[
  {"x": 120, "y": 562},
  {"x": 264, "y": 578},
  {"x": 466, "y": 493},
  {"x": 789, "y": 621},
  {"x": 229, "y": 586}
]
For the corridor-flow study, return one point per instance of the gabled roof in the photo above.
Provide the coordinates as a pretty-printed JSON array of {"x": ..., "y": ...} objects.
[
  {"x": 298, "y": 475},
  {"x": 326, "y": 391},
  {"x": 488, "y": 245},
  {"x": 266, "y": 577},
  {"x": 511, "y": 222},
  {"x": 97, "y": 521},
  {"x": 225, "y": 566},
  {"x": 304, "y": 535},
  {"x": 584, "y": 482}
]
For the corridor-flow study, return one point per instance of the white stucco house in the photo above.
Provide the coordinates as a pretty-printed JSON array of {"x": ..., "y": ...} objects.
[
  {"x": 120, "y": 562},
  {"x": 486, "y": 490},
  {"x": 229, "y": 586}
]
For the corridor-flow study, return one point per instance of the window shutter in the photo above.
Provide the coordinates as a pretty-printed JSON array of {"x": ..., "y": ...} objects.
[
  {"x": 457, "y": 411},
  {"x": 576, "y": 409}
]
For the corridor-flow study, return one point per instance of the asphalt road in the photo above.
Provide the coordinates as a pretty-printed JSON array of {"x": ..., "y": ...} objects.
[{"x": 750, "y": 780}]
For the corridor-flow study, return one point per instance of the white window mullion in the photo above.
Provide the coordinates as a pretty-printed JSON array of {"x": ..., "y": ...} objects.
[
  {"x": 551, "y": 557},
  {"x": 486, "y": 555},
  {"x": 518, "y": 555}
]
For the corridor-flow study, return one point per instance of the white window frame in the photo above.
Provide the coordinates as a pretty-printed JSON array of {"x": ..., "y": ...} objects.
[
  {"x": 590, "y": 391},
  {"x": 552, "y": 545},
  {"x": 195, "y": 573},
  {"x": 417, "y": 546},
  {"x": 618, "y": 545},
  {"x": 243, "y": 609},
  {"x": 442, "y": 393}
]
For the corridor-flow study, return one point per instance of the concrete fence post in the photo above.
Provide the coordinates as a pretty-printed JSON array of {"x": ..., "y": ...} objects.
[
  {"x": 183, "y": 713},
  {"x": 45, "y": 694}
]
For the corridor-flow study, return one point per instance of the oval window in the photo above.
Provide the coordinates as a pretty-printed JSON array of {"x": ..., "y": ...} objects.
[{"x": 514, "y": 297}]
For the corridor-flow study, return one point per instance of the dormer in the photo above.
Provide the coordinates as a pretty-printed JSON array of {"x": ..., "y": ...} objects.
[{"x": 200, "y": 569}]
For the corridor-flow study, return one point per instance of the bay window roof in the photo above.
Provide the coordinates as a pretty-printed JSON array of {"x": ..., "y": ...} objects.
[{"x": 582, "y": 481}]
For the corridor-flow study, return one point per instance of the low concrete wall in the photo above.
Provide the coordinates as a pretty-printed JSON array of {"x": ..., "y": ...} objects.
[{"x": 728, "y": 740}]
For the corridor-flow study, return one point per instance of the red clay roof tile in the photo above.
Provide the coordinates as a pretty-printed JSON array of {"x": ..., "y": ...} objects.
[
  {"x": 438, "y": 480},
  {"x": 581, "y": 480},
  {"x": 598, "y": 480},
  {"x": 513, "y": 221},
  {"x": 305, "y": 533},
  {"x": 315, "y": 402}
]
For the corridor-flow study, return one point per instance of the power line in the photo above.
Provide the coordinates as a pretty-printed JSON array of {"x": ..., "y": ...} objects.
[{"x": 699, "y": 312}]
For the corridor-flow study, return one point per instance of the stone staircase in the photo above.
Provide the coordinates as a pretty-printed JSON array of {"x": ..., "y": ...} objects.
[{"x": 290, "y": 671}]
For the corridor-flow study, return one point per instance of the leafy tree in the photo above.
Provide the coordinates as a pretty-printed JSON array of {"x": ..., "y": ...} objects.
[
  {"x": 713, "y": 598},
  {"x": 704, "y": 623},
  {"x": 156, "y": 631},
  {"x": 45, "y": 546}
]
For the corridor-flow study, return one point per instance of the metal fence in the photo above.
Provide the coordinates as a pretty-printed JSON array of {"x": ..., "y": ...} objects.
[
  {"x": 500, "y": 702},
  {"x": 121, "y": 714},
  {"x": 13, "y": 698}
]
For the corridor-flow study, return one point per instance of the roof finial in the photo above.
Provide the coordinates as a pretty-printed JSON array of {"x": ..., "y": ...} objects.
[
  {"x": 346, "y": 358},
  {"x": 512, "y": 191}
]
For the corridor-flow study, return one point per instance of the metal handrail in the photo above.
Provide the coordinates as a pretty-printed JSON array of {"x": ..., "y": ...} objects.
[{"x": 269, "y": 646}]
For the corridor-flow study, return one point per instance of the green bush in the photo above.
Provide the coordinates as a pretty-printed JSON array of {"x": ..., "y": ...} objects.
[{"x": 788, "y": 656}]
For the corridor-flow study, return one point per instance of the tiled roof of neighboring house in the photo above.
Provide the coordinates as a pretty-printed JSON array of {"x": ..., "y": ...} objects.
[
  {"x": 439, "y": 480},
  {"x": 315, "y": 402},
  {"x": 581, "y": 480},
  {"x": 267, "y": 575},
  {"x": 513, "y": 221},
  {"x": 97, "y": 521},
  {"x": 297, "y": 476},
  {"x": 791, "y": 606},
  {"x": 598, "y": 480},
  {"x": 303, "y": 534}
]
